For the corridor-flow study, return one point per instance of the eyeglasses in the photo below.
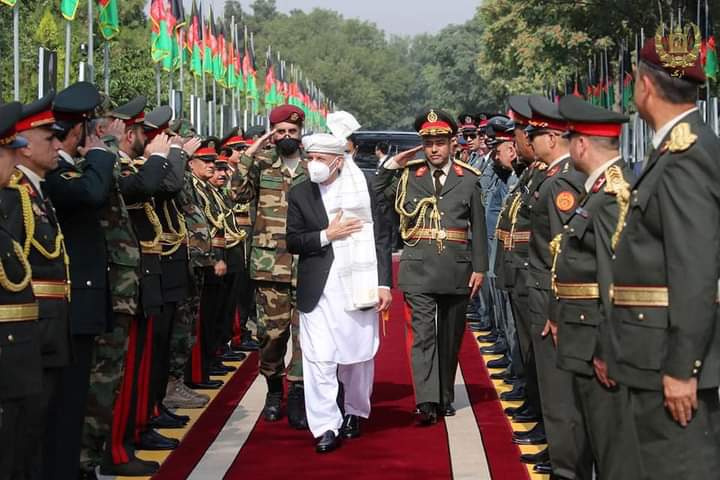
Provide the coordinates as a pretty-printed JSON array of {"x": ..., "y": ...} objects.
[
  {"x": 239, "y": 148},
  {"x": 470, "y": 136}
]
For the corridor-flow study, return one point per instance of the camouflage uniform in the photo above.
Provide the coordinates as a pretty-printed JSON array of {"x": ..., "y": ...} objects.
[{"x": 266, "y": 181}]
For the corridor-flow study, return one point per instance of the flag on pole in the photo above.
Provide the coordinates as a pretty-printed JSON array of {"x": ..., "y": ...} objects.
[
  {"x": 271, "y": 97},
  {"x": 240, "y": 80},
  {"x": 68, "y": 8},
  {"x": 208, "y": 47},
  {"x": 109, "y": 18},
  {"x": 194, "y": 41},
  {"x": 249, "y": 71},
  {"x": 9, "y": 3},
  {"x": 160, "y": 41},
  {"x": 177, "y": 33}
]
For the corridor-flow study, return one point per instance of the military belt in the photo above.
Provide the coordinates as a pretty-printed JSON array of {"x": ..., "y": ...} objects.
[
  {"x": 635, "y": 296},
  {"x": 577, "y": 291},
  {"x": 502, "y": 235},
  {"x": 218, "y": 242},
  {"x": 56, "y": 289},
  {"x": 19, "y": 312},
  {"x": 521, "y": 237},
  {"x": 151, "y": 249},
  {"x": 451, "y": 234}
]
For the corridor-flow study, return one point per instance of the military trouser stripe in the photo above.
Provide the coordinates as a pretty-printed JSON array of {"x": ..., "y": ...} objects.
[
  {"x": 143, "y": 380},
  {"x": 196, "y": 371},
  {"x": 121, "y": 411},
  {"x": 409, "y": 340}
]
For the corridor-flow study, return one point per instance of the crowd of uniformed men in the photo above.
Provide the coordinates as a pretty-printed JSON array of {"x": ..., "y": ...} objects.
[{"x": 134, "y": 254}]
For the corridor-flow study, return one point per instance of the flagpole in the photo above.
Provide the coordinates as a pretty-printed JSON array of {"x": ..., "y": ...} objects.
[
  {"x": 16, "y": 50},
  {"x": 157, "y": 82},
  {"x": 182, "y": 69},
  {"x": 106, "y": 65},
  {"x": 91, "y": 39},
  {"x": 233, "y": 39},
  {"x": 68, "y": 52}
]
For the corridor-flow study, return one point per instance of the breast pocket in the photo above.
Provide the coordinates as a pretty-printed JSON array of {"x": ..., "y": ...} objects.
[
  {"x": 578, "y": 331},
  {"x": 642, "y": 336}
]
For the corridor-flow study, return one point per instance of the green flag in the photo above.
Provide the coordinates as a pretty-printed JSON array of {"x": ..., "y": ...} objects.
[
  {"x": 711, "y": 59},
  {"x": 161, "y": 43},
  {"x": 68, "y": 8},
  {"x": 109, "y": 18}
]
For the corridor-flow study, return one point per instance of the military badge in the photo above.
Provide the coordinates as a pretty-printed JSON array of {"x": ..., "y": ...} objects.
[
  {"x": 582, "y": 212},
  {"x": 468, "y": 119},
  {"x": 553, "y": 171},
  {"x": 421, "y": 171},
  {"x": 432, "y": 116},
  {"x": 598, "y": 184},
  {"x": 69, "y": 175},
  {"x": 458, "y": 170},
  {"x": 681, "y": 138},
  {"x": 294, "y": 117},
  {"x": 565, "y": 201},
  {"x": 675, "y": 52}
]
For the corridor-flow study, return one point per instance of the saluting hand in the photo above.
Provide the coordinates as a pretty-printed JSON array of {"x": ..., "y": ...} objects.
[
  {"x": 159, "y": 145},
  {"x": 115, "y": 128},
  {"x": 680, "y": 398},
  {"x": 339, "y": 228},
  {"x": 92, "y": 141},
  {"x": 476, "y": 281},
  {"x": 192, "y": 145},
  {"x": 403, "y": 158},
  {"x": 260, "y": 143}
]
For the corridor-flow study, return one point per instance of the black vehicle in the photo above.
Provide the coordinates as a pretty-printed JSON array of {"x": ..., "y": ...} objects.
[{"x": 366, "y": 141}]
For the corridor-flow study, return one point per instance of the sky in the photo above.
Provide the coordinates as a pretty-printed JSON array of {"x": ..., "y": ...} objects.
[{"x": 399, "y": 17}]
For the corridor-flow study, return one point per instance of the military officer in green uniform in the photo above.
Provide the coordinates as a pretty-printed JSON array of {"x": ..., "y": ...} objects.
[
  {"x": 553, "y": 200},
  {"x": 20, "y": 356},
  {"x": 581, "y": 285},
  {"x": 442, "y": 222},
  {"x": 265, "y": 179},
  {"x": 664, "y": 328}
]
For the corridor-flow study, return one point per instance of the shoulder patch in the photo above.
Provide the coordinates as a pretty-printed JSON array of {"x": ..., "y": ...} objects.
[
  {"x": 681, "y": 138},
  {"x": 70, "y": 175},
  {"x": 565, "y": 201},
  {"x": 421, "y": 171},
  {"x": 466, "y": 167}
]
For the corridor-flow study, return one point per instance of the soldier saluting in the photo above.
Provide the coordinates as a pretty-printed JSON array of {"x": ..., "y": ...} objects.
[
  {"x": 666, "y": 344},
  {"x": 442, "y": 222}
]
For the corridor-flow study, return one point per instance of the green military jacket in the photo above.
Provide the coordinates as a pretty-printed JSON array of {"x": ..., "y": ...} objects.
[
  {"x": 583, "y": 269},
  {"x": 667, "y": 263},
  {"x": 198, "y": 231},
  {"x": 438, "y": 258},
  {"x": 265, "y": 181}
]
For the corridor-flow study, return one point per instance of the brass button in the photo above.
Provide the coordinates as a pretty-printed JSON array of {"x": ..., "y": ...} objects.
[
  {"x": 565, "y": 227},
  {"x": 440, "y": 197},
  {"x": 582, "y": 316},
  {"x": 698, "y": 363},
  {"x": 613, "y": 257},
  {"x": 11, "y": 338},
  {"x": 634, "y": 192},
  {"x": 641, "y": 316},
  {"x": 88, "y": 283},
  {"x": 695, "y": 371}
]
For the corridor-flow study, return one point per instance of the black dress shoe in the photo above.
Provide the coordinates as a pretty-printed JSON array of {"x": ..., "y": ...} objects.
[
  {"x": 327, "y": 442},
  {"x": 543, "y": 468},
  {"x": 502, "y": 362},
  {"x": 510, "y": 411},
  {"x": 209, "y": 385},
  {"x": 152, "y": 440},
  {"x": 350, "y": 427},
  {"x": 232, "y": 357},
  {"x": 527, "y": 417},
  {"x": 516, "y": 394},
  {"x": 534, "y": 458},
  {"x": 427, "y": 413},
  {"x": 133, "y": 468},
  {"x": 501, "y": 375},
  {"x": 491, "y": 337},
  {"x": 513, "y": 380},
  {"x": 296, "y": 406},
  {"x": 481, "y": 327},
  {"x": 498, "y": 348},
  {"x": 183, "y": 418},
  {"x": 538, "y": 429},
  {"x": 447, "y": 410},
  {"x": 247, "y": 345},
  {"x": 534, "y": 439},
  {"x": 165, "y": 421},
  {"x": 271, "y": 411}
]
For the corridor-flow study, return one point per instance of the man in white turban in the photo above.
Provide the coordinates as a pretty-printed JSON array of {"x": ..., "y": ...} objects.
[{"x": 344, "y": 279}]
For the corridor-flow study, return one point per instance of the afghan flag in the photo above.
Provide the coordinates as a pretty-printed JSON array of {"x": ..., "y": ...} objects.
[
  {"x": 240, "y": 78},
  {"x": 109, "y": 18},
  {"x": 249, "y": 71},
  {"x": 195, "y": 41},
  {"x": 160, "y": 40},
  {"x": 219, "y": 55},
  {"x": 208, "y": 46},
  {"x": 68, "y": 8},
  {"x": 9, "y": 3},
  {"x": 709, "y": 58},
  {"x": 271, "y": 95}
]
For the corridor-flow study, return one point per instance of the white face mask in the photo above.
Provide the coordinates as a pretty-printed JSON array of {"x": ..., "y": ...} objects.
[{"x": 319, "y": 172}]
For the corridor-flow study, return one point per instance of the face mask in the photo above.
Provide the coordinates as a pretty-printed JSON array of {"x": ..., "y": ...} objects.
[
  {"x": 320, "y": 172},
  {"x": 288, "y": 146}
]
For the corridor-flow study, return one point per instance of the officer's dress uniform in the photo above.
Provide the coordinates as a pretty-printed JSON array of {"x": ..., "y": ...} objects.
[
  {"x": 665, "y": 314},
  {"x": 79, "y": 188}
]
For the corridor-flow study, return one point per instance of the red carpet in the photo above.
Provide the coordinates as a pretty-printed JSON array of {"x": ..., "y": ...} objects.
[
  {"x": 502, "y": 454},
  {"x": 391, "y": 447},
  {"x": 193, "y": 446}
]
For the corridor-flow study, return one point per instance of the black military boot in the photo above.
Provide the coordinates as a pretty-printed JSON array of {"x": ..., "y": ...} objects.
[
  {"x": 271, "y": 411},
  {"x": 296, "y": 406}
]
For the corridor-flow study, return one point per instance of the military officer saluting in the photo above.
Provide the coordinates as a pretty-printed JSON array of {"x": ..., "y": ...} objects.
[
  {"x": 665, "y": 339},
  {"x": 582, "y": 277},
  {"x": 553, "y": 200},
  {"x": 20, "y": 358},
  {"x": 442, "y": 222}
]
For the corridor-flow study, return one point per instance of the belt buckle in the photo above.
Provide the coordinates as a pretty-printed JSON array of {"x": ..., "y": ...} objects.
[
  {"x": 611, "y": 292},
  {"x": 441, "y": 234}
]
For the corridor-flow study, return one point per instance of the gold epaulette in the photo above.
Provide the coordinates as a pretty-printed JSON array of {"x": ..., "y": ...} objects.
[
  {"x": 417, "y": 161},
  {"x": 618, "y": 186},
  {"x": 681, "y": 138},
  {"x": 467, "y": 167},
  {"x": 70, "y": 174},
  {"x": 139, "y": 161}
]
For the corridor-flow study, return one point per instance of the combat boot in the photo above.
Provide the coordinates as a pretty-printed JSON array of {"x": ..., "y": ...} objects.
[
  {"x": 296, "y": 406},
  {"x": 135, "y": 467},
  {"x": 180, "y": 396},
  {"x": 271, "y": 411}
]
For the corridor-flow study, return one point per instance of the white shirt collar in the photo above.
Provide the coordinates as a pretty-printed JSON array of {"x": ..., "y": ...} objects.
[
  {"x": 445, "y": 169},
  {"x": 593, "y": 177},
  {"x": 66, "y": 156},
  {"x": 34, "y": 178},
  {"x": 665, "y": 129},
  {"x": 557, "y": 161},
  {"x": 291, "y": 163}
]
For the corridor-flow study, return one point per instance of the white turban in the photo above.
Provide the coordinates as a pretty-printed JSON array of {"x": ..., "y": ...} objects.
[
  {"x": 342, "y": 124},
  {"x": 323, "y": 143}
]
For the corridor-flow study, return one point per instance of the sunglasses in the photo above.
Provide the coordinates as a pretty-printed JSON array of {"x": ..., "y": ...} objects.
[{"x": 470, "y": 136}]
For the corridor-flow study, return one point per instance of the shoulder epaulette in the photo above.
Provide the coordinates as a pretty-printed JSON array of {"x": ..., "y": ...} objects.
[
  {"x": 681, "y": 138},
  {"x": 69, "y": 175},
  {"x": 139, "y": 161},
  {"x": 417, "y": 161},
  {"x": 467, "y": 167}
]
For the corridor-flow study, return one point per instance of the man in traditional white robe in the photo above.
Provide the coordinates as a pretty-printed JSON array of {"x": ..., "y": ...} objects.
[{"x": 344, "y": 279}]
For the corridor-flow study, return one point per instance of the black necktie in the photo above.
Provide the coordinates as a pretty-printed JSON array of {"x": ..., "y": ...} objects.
[{"x": 438, "y": 185}]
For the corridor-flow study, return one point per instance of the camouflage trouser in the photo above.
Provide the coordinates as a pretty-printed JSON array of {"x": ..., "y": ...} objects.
[
  {"x": 183, "y": 333},
  {"x": 105, "y": 377},
  {"x": 278, "y": 317}
]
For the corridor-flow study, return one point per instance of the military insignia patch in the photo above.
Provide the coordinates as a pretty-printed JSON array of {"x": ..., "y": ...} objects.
[
  {"x": 458, "y": 170},
  {"x": 681, "y": 138},
  {"x": 598, "y": 184},
  {"x": 553, "y": 171},
  {"x": 70, "y": 175},
  {"x": 468, "y": 120},
  {"x": 432, "y": 116},
  {"x": 565, "y": 201},
  {"x": 294, "y": 117},
  {"x": 421, "y": 171}
]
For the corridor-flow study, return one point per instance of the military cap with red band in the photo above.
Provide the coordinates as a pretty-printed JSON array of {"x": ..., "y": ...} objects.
[
  {"x": 467, "y": 122},
  {"x": 287, "y": 113},
  {"x": 208, "y": 149},
  {"x": 586, "y": 119},
  {"x": 132, "y": 113},
  {"x": 545, "y": 116},
  {"x": 37, "y": 114},
  {"x": 435, "y": 123},
  {"x": 157, "y": 121},
  {"x": 677, "y": 53},
  {"x": 9, "y": 115},
  {"x": 519, "y": 111},
  {"x": 76, "y": 103}
]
